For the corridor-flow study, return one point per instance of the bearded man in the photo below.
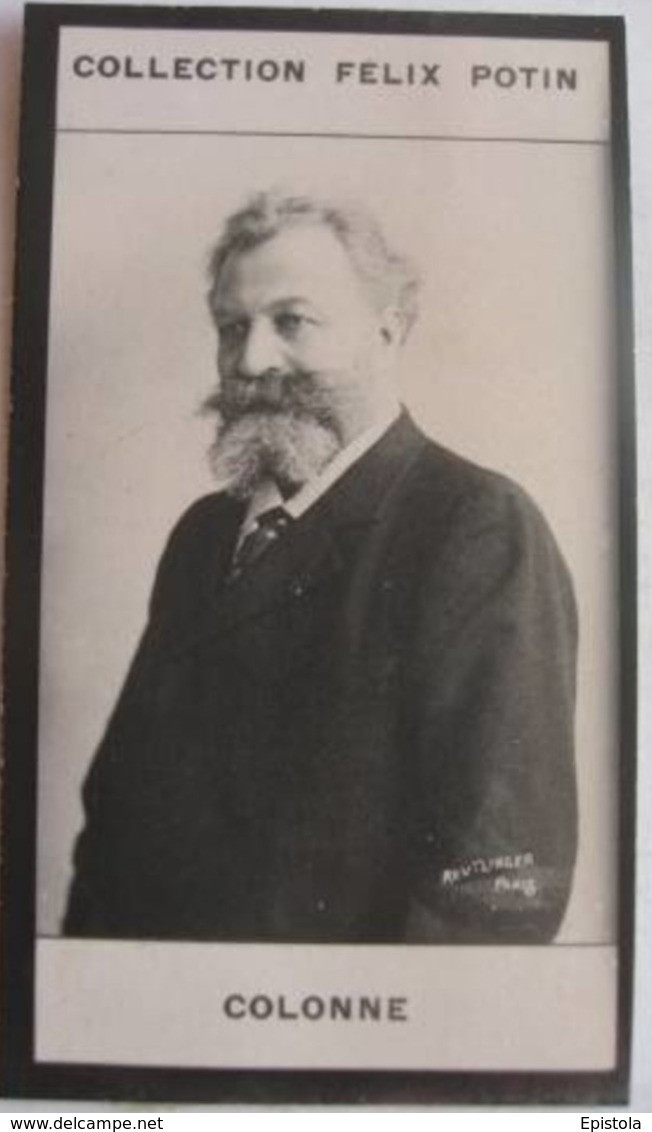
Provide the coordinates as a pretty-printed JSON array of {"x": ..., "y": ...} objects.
[{"x": 350, "y": 716}]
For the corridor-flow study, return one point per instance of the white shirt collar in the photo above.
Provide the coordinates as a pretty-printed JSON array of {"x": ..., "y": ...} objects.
[{"x": 268, "y": 495}]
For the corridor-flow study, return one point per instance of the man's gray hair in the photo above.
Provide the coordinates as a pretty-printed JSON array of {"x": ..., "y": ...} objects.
[{"x": 390, "y": 278}]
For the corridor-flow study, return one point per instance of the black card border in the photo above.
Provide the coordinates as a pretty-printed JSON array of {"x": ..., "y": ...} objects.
[{"x": 20, "y": 1074}]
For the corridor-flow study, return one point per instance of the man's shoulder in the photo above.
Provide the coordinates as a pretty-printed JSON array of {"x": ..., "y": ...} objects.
[
  {"x": 202, "y": 536},
  {"x": 476, "y": 540},
  {"x": 451, "y": 483},
  {"x": 206, "y": 516},
  {"x": 484, "y": 518}
]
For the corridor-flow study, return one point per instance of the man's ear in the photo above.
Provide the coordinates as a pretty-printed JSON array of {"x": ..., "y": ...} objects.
[{"x": 392, "y": 327}]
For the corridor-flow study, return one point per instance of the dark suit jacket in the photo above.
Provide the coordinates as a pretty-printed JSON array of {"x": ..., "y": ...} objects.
[{"x": 368, "y": 737}]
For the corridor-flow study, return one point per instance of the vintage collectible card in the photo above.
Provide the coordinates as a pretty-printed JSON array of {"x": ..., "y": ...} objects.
[{"x": 337, "y": 805}]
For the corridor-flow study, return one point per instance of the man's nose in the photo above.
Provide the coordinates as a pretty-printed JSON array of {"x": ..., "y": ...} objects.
[{"x": 261, "y": 350}]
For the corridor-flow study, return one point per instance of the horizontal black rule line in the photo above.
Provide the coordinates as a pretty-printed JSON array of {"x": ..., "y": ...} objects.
[
  {"x": 595, "y": 945},
  {"x": 345, "y": 136}
]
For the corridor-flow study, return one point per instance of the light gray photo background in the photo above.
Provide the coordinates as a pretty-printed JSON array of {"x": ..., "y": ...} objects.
[{"x": 511, "y": 364}]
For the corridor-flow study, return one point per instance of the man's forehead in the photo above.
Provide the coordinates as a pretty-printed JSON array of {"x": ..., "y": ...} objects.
[{"x": 303, "y": 261}]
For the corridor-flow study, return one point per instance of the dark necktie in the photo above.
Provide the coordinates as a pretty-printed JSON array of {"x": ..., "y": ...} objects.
[{"x": 269, "y": 526}]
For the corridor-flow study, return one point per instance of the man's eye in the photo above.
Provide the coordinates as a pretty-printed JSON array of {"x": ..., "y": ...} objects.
[
  {"x": 289, "y": 323},
  {"x": 235, "y": 330}
]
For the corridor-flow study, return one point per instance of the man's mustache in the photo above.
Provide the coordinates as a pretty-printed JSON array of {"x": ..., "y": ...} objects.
[{"x": 272, "y": 392}]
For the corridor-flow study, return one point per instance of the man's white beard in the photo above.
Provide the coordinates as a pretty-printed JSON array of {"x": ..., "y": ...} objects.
[{"x": 285, "y": 447}]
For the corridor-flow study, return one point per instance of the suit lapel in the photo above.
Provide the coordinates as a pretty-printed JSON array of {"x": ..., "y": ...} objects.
[
  {"x": 317, "y": 544},
  {"x": 285, "y": 571}
]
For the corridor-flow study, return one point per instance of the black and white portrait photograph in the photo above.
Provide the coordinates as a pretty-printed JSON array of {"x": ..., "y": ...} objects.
[
  {"x": 351, "y": 717},
  {"x": 329, "y": 736}
]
